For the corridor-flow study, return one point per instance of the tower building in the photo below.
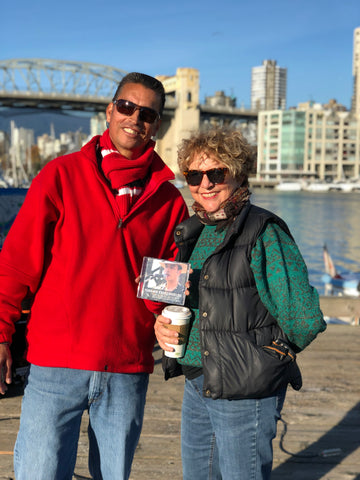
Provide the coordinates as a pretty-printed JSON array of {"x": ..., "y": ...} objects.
[
  {"x": 268, "y": 87},
  {"x": 355, "y": 103}
]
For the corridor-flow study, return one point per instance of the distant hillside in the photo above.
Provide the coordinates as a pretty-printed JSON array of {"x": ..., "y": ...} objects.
[{"x": 40, "y": 121}]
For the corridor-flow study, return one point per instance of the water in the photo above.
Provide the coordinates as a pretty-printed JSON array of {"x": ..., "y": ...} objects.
[
  {"x": 315, "y": 219},
  {"x": 11, "y": 200}
]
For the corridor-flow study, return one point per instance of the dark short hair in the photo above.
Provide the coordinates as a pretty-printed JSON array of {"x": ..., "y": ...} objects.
[{"x": 146, "y": 81}]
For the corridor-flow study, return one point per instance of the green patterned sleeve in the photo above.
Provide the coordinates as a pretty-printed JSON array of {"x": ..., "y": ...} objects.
[{"x": 281, "y": 278}]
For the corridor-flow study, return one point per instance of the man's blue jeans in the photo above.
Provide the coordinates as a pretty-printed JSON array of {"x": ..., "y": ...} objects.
[
  {"x": 227, "y": 439},
  {"x": 52, "y": 407}
]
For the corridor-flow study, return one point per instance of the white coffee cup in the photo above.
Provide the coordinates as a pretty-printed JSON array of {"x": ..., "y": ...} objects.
[{"x": 180, "y": 319}]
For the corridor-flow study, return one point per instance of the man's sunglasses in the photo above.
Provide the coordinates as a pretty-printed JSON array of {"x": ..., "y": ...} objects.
[
  {"x": 127, "y": 108},
  {"x": 215, "y": 175}
]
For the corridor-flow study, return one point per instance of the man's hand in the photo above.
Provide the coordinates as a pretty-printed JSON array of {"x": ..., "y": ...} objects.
[
  {"x": 5, "y": 367},
  {"x": 164, "y": 335}
]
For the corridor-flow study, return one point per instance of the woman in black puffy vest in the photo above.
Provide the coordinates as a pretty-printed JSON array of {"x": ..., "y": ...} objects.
[{"x": 252, "y": 308}]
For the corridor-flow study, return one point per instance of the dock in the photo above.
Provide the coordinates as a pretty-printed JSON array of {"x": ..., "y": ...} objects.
[
  {"x": 318, "y": 437},
  {"x": 255, "y": 183}
]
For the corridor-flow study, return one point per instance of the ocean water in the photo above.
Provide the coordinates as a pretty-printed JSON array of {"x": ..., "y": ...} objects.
[
  {"x": 11, "y": 200},
  {"x": 315, "y": 219}
]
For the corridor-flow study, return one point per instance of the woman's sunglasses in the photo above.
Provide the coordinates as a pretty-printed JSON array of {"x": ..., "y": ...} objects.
[
  {"x": 215, "y": 175},
  {"x": 127, "y": 108}
]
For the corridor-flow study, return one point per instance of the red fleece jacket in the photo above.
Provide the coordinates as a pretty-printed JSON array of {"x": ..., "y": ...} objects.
[{"x": 67, "y": 248}]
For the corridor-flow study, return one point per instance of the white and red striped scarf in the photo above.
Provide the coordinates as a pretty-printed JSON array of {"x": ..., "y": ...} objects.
[{"x": 124, "y": 174}]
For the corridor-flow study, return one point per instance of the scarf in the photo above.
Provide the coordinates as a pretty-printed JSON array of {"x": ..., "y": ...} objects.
[
  {"x": 127, "y": 177},
  {"x": 227, "y": 211}
]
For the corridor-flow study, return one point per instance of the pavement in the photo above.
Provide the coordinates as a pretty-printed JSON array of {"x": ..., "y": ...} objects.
[{"x": 319, "y": 439}]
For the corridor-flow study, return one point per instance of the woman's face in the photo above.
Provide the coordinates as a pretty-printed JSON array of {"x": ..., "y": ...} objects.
[{"x": 210, "y": 195}]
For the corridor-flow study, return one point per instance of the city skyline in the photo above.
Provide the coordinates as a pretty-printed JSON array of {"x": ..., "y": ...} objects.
[{"x": 313, "y": 41}]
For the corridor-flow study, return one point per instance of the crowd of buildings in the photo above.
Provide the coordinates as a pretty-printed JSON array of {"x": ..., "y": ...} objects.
[{"x": 309, "y": 141}]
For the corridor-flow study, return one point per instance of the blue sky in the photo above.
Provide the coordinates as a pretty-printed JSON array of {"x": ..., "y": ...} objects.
[{"x": 223, "y": 39}]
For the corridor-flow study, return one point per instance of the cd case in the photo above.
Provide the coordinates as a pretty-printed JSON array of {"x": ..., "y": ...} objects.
[{"x": 163, "y": 281}]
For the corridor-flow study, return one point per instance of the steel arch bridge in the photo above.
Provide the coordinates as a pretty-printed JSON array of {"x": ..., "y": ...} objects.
[{"x": 57, "y": 84}]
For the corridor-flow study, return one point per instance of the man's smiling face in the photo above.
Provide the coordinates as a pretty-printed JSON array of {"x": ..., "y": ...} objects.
[{"x": 129, "y": 134}]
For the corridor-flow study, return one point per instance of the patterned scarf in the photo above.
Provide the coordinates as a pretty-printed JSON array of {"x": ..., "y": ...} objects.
[
  {"x": 227, "y": 211},
  {"x": 127, "y": 177}
]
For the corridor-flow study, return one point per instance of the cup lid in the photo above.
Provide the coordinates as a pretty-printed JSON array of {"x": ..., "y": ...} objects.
[{"x": 177, "y": 309}]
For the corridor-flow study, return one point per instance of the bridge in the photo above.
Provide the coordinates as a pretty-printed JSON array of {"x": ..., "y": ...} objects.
[
  {"x": 57, "y": 84},
  {"x": 79, "y": 86}
]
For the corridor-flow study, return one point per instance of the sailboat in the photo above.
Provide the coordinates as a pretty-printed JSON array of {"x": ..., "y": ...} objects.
[{"x": 336, "y": 283}]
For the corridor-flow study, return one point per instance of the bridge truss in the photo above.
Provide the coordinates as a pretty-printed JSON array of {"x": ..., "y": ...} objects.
[
  {"x": 41, "y": 83},
  {"x": 64, "y": 86}
]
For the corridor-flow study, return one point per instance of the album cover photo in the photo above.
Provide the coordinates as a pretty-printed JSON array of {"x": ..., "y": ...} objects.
[{"x": 163, "y": 281}]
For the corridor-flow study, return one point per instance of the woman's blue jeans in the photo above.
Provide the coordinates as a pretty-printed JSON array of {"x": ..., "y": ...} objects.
[
  {"x": 52, "y": 407},
  {"x": 227, "y": 439}
]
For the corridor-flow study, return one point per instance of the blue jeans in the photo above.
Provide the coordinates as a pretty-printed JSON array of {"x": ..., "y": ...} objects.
[
  {"x": 227, "y": 439},
  {"x": 52, "y": 407}
]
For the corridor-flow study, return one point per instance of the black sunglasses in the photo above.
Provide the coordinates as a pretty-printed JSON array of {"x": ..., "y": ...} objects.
[
  {"x": 215, "y": 175},
  {"x": 127, "y": 108}
]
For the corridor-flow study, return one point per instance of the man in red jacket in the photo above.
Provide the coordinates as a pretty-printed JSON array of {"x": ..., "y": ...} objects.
[{"x": 75, "y": 248}]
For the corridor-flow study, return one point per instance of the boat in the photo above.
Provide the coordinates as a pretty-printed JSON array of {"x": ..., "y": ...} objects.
[
  {"x": 289, "y": 186},
  {"x": 347, "y": 186},
  {"x": 345, "y": 284},
  {"x": 317, "y": 186},
  {"x": 336, "y": 283}
]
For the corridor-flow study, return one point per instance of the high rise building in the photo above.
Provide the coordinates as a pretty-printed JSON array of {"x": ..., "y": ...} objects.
[
  {"x": 268, "y": 87},
  {"x": 355, "y": 104}
]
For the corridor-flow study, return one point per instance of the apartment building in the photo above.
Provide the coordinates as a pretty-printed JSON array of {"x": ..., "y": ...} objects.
[
  {"x": 332, "y": 144},
  {"x": 281, "y": 143},
  {"x": 311, "y": 141}
]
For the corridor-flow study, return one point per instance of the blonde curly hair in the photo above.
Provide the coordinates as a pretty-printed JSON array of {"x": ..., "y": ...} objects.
[{"x": 226, "y": 144}]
